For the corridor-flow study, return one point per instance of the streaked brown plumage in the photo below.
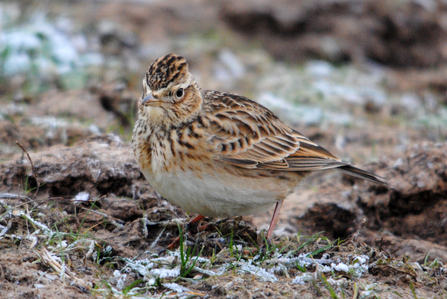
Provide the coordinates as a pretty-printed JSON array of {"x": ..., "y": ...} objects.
[{"x": 219, "y": 154}]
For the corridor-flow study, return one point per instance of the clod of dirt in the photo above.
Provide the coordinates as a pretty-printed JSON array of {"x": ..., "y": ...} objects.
[
  {"x": 99, "y": 166},
  {"x": 403, "y": 34}
]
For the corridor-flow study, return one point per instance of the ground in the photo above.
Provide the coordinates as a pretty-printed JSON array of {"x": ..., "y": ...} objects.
[{"x": 365, "y": 80}]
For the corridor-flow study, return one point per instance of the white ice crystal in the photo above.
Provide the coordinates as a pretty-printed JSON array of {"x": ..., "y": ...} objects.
[
  {"x": 260, "y": 272},
  {"x": 302, "y": 279},
  {"x": 82, "y": 196},
  {"x": 340, "y": 267},
  {"x": 120, "y": 279},
  {"x": 162, "y": 273}
]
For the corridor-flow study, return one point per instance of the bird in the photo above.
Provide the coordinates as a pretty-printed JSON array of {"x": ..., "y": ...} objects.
[{"x": 219, "y": 154}]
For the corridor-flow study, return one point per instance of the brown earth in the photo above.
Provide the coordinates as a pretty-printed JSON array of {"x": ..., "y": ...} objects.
[{"x": 403, "y": 34}]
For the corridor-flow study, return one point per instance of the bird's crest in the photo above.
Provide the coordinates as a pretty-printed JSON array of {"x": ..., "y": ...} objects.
[{"x": 166, "y": 70}]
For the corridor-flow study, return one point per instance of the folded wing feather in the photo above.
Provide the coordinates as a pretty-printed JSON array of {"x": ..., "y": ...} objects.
[{"x": 271, "y": 144}]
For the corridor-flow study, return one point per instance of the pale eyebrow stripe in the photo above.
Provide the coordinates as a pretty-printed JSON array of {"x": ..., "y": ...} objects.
[{"x": 188, "y": 82}]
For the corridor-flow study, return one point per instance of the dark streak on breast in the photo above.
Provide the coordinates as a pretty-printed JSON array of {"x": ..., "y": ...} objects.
[{"x": 171, "y": 144}]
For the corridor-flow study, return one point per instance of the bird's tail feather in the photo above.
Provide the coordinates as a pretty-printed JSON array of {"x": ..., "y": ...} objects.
[{"x": 357, "y": 172}]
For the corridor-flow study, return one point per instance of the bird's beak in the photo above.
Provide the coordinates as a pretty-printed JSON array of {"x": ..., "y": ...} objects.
[{"x": 150, "y": 100}]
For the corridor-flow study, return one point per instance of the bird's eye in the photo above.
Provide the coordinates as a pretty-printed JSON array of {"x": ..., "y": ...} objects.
[{"x": 179, "y": 93}]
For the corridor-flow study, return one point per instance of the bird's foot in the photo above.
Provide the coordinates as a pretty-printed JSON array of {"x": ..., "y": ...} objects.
[{"x": 188, "y": 227}]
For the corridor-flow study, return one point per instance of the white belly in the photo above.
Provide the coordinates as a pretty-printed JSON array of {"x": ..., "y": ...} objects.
[{"x": 214, "y": 195}]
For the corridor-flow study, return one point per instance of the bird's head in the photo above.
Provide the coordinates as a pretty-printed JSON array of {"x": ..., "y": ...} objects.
[{"x": 170, "y": 94}]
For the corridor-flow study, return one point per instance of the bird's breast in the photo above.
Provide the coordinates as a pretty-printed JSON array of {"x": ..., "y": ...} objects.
[{"x": 214, "y": 194}]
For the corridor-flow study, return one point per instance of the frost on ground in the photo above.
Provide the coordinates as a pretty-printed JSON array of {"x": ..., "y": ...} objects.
[{"x": 79, "y": 259}]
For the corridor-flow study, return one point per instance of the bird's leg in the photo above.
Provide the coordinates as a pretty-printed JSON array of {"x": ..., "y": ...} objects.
[
  {"x": 212, "y": 224},
  {"x": 176, "y": 241},
  {"x": 193, "y": 221},
  {"x": 274, "y": 219}
]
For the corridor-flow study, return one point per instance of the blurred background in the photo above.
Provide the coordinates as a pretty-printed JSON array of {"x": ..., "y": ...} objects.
[{"x": 364, "y": 78}]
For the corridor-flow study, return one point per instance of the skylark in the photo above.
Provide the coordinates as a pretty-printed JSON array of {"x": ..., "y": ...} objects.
[{"x": 219, "y": 154}]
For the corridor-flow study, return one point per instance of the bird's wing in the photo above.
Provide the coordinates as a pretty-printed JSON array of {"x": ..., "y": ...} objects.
[{"x": 250, "y": 136}]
